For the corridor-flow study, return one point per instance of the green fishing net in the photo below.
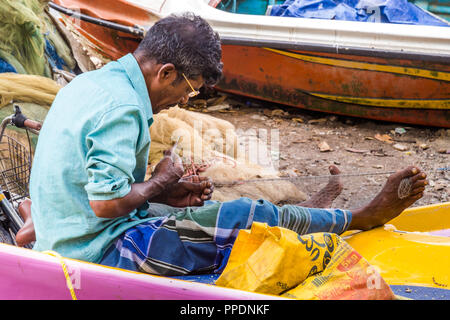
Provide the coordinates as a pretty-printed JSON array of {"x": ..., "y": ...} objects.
[{"x": 24, "y": 26}]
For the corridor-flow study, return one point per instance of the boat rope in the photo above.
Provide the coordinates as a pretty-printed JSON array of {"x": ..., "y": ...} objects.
[
  {"x": 258, "y": 180},
  {"x": 66, "y": 272}
]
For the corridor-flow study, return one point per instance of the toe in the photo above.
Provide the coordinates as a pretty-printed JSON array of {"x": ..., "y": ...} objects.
[
  {"x": 334, "y": 170},
  {"x": 412, "y": 199},
  {"x": 417, "y": 190},
  {"x": 418, "y": 196},
  {"x": 418, "y": 176},
  {"x": 410, "y": 171},
  {"x": 419, "y": 183}
]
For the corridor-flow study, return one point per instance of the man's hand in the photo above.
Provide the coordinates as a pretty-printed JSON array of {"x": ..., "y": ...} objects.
[
  {"x": 170, "y": 169},
  {"x": 167, "y": 172},
  {"x": 188, "y": 192}
]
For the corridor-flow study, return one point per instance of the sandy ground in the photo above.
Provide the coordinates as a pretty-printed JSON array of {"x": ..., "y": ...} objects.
[{"x": 309, "y": 142}]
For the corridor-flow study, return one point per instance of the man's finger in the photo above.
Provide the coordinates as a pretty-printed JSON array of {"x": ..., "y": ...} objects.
[
  {"x": 208, "y": 180},
  {"x": 206, "y": 197},
  {"x": 195, "y": 179},
  {"x": 197, "y": 202},
  {"x": 193, "y": 187}
]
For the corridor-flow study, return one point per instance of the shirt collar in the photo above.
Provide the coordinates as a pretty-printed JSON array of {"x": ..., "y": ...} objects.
[{"x": 136, "y": 77}]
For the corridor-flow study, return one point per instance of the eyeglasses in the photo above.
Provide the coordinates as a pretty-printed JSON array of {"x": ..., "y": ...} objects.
[{"x": 194, "y": 92}]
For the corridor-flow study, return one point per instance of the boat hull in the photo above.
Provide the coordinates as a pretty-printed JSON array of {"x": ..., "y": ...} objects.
[
  {"x": 31, "y": 275},
  {"x": 373, "y": 84},
  {"x": 412, "y": 249},
  {"x": 406, "y": 91},
  {"x": 405, "y": 259}
]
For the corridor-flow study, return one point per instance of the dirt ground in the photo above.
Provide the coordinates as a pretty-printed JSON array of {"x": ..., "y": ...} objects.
[{"x": 310, "y": 141}]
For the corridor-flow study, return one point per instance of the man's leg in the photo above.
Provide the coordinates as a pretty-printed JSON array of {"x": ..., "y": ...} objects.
[
  {"x": 199, "y": 240},
  {"x": 325, "y": 197}
]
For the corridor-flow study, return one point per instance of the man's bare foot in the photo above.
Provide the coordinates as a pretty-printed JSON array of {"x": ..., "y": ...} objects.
[
  {"x": 325, "y": 197},
  {"x": 391, "y": 201}
]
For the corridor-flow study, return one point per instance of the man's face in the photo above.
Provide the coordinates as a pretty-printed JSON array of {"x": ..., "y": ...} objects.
[{"x": 173, "y": 90}]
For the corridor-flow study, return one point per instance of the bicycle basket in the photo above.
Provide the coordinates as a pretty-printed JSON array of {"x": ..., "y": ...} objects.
[{"x": 15, "y": 167}]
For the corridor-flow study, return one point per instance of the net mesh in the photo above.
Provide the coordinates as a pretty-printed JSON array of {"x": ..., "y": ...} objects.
[{"x": 24, "y": 29}]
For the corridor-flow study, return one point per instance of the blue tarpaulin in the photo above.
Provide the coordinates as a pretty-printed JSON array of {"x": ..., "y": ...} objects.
[{"x": 386, "y": 11}]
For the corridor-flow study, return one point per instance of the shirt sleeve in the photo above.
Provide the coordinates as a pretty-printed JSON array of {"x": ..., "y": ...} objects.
[{"x": 111, "y": 156}]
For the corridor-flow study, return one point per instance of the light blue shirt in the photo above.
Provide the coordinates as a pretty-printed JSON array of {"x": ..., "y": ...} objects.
[{"x": 93, "y": 145}]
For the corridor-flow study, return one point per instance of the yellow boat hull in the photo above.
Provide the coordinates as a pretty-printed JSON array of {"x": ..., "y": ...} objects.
[{"x": 407, "y": 251}]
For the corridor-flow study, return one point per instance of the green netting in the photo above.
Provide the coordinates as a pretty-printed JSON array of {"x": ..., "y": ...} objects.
[
  {"x": 23, "y": 24},
  {"x": 58, "y": 42}
]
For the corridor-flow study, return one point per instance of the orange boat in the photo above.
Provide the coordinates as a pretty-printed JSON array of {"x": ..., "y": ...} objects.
[{"x": 381, "y": 71}]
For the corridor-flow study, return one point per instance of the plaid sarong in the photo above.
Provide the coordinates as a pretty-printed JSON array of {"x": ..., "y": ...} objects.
[{"x": 198, "y": 240}]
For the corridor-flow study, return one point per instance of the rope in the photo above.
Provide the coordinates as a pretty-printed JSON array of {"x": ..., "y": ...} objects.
[{"x": 66, "y": 273}]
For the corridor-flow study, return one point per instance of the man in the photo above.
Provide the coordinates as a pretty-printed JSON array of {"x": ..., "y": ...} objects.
[{"x": 89, "y": 197}]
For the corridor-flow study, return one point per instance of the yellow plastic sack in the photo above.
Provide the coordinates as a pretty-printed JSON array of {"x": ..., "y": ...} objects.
[{"x": 278, "y": 261}]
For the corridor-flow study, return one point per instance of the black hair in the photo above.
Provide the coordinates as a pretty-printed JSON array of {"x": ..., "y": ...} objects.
[{"x": 189, "y": 43}]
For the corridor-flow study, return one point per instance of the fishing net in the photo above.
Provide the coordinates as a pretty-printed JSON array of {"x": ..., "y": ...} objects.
[
  {"x": 34, "y": 94},
  {"x": 25, "y": 29},
  {"x": 58, "y": 41},
  {"x": 213, "y": 144},
  {"x": 27, "y": 88},
  {"x": 202, "y": 136}
]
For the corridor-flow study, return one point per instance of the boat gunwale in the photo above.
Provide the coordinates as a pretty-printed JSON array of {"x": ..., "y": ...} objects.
[
  {"x": 302, "y": 46},
  {"x": 332, "y": 40}
]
